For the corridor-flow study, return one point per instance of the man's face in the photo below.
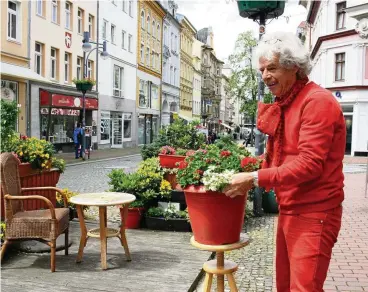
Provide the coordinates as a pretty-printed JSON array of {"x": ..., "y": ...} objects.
[{"x": 277, "y": 78}]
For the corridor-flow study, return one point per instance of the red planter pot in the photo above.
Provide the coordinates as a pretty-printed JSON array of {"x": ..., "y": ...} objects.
[
  {"x": 171, "y": 178},
  {"x": 133, "y": 220},
  {"x": 169, "y": 161},
  {"x": 215, "y": 218},
  {"x": 30, "y": 177}
]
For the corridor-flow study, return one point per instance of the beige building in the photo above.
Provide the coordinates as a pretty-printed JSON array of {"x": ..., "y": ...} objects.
[
  {"x": 15, "y": 58},
  {"x": 149, "y": 71},
  {"x": 187, "y": 36},
  {"x": 56, "y": 54}
]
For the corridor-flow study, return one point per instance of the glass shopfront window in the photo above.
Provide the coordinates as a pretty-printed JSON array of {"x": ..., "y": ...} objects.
[
  {"x": 127, "y": 126},
  {"x": 116, "y": 129},
  {"x": 58, "y": 124},
  {"x": 147, "y": 129},
  {"x": 141, "y": 129},
  {"x": 105, "y": 128}
]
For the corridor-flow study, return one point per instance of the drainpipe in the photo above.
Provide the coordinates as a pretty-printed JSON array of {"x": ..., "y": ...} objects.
[{"x": 28, "y": 86}]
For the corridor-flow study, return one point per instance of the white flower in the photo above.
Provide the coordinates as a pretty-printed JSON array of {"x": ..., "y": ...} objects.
[{"x": 216, "y": 181}]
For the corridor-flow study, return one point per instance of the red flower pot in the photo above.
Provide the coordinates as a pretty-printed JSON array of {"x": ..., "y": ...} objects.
[
  {"x": 133, "y": 220},
  {"x": 30, "y": 177},
  {"x": 215, "y": 218},
  {"x": 169, "y": 161}
]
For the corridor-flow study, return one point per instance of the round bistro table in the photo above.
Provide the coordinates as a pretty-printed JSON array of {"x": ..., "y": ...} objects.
[{"x": 102, "y": 200}]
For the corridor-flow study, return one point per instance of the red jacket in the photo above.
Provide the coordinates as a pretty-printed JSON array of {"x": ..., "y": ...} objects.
[{"x": 310, "y": 176}]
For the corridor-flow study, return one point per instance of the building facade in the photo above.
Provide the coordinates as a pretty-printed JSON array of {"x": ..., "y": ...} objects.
[
  {"x": 15, "y": 59},
  {"x": 337, "y": 37},
  {"x": 56, "y": 54},
  {"x": 149, "y": 72},
  {"x": 187, "y": 36},
  {"x": 170, "y": 63},
  {"x": 117, "y": 118},
  {"x": 197, "y": 79}
]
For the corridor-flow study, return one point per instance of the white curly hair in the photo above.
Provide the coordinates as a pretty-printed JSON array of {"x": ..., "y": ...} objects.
[{"x": 288, "y": 47}]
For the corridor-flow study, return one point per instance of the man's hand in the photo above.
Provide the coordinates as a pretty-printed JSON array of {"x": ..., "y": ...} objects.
[{"x": 241, "y": 183}]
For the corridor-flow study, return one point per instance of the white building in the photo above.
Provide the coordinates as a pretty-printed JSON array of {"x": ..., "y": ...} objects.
[
  {"x": 197, "y": 79},
  {"x": 340, "y": 61},
  {"x": 117, "y": 118},
  {"x": 171, "y": 62}
]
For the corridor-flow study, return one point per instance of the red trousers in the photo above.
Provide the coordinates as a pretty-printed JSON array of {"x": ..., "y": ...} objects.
[{"x": 303, "y": 249}]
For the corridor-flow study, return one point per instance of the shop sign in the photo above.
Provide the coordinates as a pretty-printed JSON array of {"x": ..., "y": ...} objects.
[
  {"x": 74, "y": 102},
  {"x": 60, "y": 112}
]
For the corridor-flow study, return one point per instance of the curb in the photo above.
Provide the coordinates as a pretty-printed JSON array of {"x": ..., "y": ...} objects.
[{"x": 100, "y": 160}]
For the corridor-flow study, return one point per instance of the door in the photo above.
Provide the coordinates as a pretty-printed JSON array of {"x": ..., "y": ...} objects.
[
  {"x": 116, "y": 131},
  {"x": 148, "y": 130},
  {"x": 349, "y": 133}
]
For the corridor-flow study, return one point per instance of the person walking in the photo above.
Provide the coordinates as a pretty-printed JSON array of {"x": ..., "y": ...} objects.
[
  {"x": 78, "y": 143},
  {"x": 303, "y": 163}
]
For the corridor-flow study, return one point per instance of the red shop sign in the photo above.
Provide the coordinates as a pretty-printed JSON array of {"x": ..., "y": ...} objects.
[{"x": 73, "y": 102}]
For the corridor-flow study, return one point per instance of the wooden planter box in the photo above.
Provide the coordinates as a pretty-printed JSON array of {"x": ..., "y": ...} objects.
[{"x": 30, "y": 177}]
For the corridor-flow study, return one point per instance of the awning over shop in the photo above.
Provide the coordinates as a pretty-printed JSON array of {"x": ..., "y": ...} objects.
[
  {"x": 227, "y": 126},
  {"x": 21, "y": 72}
]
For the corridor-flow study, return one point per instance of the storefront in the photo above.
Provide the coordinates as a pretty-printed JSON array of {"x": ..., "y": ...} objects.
[
  {"x": 60, "y": 114},
  {"x": 116, "y": 129},
  {"x": 148, "y": 126}
]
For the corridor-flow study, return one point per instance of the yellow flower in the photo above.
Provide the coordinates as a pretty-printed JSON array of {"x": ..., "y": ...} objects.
[
  {"x": 20, "y": 153},
  {"x": 47, "y": 155}
]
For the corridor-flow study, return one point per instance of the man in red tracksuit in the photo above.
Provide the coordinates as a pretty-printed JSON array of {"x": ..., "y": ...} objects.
[{"x": 303, "y": 163}]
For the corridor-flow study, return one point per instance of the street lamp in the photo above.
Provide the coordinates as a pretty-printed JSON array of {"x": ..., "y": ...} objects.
[{"x": 87, "y": 48}]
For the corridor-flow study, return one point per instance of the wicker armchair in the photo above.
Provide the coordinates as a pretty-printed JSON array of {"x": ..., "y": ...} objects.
[{"x": 42, "y": 225}]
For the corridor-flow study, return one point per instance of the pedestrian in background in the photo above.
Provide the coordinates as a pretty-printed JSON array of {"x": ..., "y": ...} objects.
[
  {"x": 303, "y": 163},
  {"x": 78, "y": 143}
]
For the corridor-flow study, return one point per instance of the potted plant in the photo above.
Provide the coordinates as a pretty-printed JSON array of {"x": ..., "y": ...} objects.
[
  {"x": 85, "y": 84},
  {"x": 215, "y": 218},
  {"x": 37, "y": 167},
  {"x": 147, "y": 184},
  {"x": 158, "y": 218},
  {"x": 168, "y": 157},
  {"x": 2, "y": 232}
]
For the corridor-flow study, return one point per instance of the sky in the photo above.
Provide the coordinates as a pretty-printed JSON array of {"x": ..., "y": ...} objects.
[{"x": 227, "y": 24}]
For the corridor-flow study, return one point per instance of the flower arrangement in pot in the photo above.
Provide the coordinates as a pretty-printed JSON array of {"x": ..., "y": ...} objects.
[
  {"x": 85, "y": 84},
  {"x": 215, "y": 218}
]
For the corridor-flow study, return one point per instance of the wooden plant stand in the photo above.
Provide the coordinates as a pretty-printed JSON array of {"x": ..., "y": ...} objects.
[{"x": 220, "y": 266}]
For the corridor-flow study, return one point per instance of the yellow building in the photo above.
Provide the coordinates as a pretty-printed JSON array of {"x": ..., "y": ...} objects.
[
  {"x": 149, "y": 71},
  {"x": 15, "y": 58},
  {"x": 187, "y": 36}
]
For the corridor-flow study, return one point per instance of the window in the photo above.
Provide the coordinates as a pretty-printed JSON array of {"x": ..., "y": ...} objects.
[
  {"x": 124, "y": 5},
  {"x": 13, "y": 25},
  {"x": 148, "y": 24},
  {"x": 153, "y": 59},
  {"x": 105, "y": 127},
  {"x": 38, "y": 58},
  {"x": 158, "y": 32},
  {"x": 54, "y": 11},
  {"x": 90, "y": 26},
  {"x": 123, "y": 40},
  {"x": 79, "y": 68},
  {"x": 104, "y": 30},
  {"x": 39, "y": 7},
  {"x": 142, "y": 19},
  {"x": 66, "y": 67},
  {"x": 171, "y": 75},
  {"x": 53, "y": 63},
  {"x": 153, "y": 29},
  {"x": 127, "y": 125},
  {"x": 148, "y": 57},
  {"x": 89, "y": 69},
  {"x": 130, "y": 8},
  {"x": 112, "y": 34},
  {"x": 130, "y": 37},
  {"x": 142, "y": 95},
  {"x": 340, "y": 67},
  {"x": 340, "y": 15},
  {"x": 165, "y": 35},
  {"x": 118, "y": 81},
  {"x": 142, "y": 53},
  {"x": 175, "y": 72},
  {"x": 80, "y": 21},
  {"x": 68, "y": 9},
  {"x": 176, "y": 43}
]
